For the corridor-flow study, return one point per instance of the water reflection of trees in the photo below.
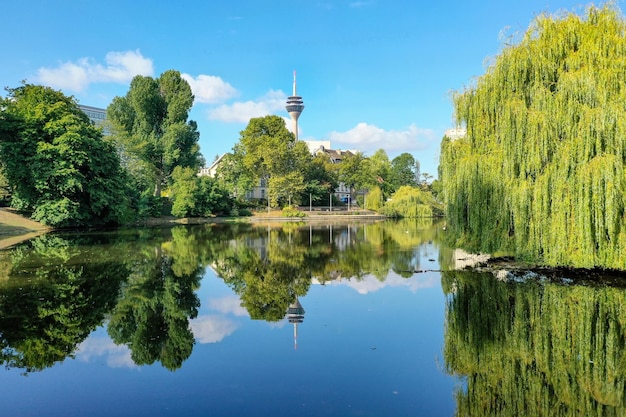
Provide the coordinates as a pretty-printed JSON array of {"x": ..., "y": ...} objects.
[
  {"x": 51, "y": 300},
  {"x": 535, "y": 348},
  {"x": 157, "y": 301},
  {"x": 57, "y": 288},
  {"x": 269, "y": 267}
]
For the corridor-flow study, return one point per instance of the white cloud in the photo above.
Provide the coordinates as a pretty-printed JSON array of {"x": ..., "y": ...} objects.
[
  {"x": 212, "y": 328},
  {"x": 120, "y": 67},
  {"x": 117, "y": 356},
  {"x": 366, "y": 137},
  {"x": 228, "y": 305},
  {"x": 370, "y": 283},
  {"x": 243, "y": 111},
  {"x": 210, "y": 89}
]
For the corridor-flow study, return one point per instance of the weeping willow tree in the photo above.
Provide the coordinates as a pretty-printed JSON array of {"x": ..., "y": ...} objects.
[{"x": 541, "y": 169}]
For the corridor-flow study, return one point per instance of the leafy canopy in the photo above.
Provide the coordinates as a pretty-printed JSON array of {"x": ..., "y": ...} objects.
[
  {"x": 541, "y": 170},
  {"x": 151, "y": 129},
  {"x": 56, "y": 162},
  {"x": 268, "y": 152}
]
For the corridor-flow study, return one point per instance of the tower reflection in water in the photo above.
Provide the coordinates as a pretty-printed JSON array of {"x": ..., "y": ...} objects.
[{"x": 295, "y": 315}]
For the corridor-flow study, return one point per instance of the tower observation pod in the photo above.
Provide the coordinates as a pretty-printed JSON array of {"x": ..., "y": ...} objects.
[
  {"x": 295, "y": 315},
  {"x": 294, "y": 106}
]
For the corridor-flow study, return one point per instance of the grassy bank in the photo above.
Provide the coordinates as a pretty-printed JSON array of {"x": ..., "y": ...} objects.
[{"x": 15, "y": 228}]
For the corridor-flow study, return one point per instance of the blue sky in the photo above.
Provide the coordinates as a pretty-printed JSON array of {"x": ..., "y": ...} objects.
[{"x": 372, "y": 73}]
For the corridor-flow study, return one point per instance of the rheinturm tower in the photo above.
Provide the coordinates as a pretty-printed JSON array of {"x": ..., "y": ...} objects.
[
  {"x": 295, "y": 315},
  {"x": 294, "y": 106}
]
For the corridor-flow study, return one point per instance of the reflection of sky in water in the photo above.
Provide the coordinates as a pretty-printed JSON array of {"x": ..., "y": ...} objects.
[
  {"x": 370, "y": 283},
  {"x": 99, "y": 346},
  {"x": 365, "y": 348},
  {"x": 217, "y": 319},
  {"x": 221, "y": 313}
]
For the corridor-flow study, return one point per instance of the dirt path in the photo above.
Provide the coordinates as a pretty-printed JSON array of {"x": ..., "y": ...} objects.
[{"x": 15, "y": 228}]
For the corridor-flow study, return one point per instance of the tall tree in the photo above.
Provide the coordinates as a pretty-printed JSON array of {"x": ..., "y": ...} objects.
[
  {"x": 541, "y": 169},
  {"x": 380, "y": 168},
  {"x": 150, "y": 126},
  {"x": 403, "y": 170},
  {"x": 355, "y": 172},
  {"x": 320, "y": 179},
  {"x": 268, "y": 152},
  {"x": 56, "y": 162}
]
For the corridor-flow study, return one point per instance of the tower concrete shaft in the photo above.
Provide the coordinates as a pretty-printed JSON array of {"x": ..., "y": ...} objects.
[{"x": 294, "y": 106}]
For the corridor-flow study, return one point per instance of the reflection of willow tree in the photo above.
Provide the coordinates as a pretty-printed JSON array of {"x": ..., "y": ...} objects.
[
  {"x": 51, "y": 301},
  {"x": 152, "y": 316},
  {"x": 535, "y": 349}
]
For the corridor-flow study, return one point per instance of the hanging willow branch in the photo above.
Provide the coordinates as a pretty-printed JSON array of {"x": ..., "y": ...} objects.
[{"x": 541, "y": 170}]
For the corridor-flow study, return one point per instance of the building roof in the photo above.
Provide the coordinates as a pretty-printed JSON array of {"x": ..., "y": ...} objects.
[{"x": 335, "y": 155}]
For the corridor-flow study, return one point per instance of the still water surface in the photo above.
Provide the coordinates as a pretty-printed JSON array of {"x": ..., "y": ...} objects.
[{"x": 296, "y": 320}]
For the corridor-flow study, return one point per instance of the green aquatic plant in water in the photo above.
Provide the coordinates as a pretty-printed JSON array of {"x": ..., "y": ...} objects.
[{"x": 541, "y": 169}]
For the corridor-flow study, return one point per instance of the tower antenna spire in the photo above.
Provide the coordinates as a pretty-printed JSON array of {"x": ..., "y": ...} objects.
[{"x": 294, "y": 106}]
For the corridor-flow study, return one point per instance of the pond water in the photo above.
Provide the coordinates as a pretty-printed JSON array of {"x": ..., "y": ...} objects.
[{"x": 367, "y": 319}]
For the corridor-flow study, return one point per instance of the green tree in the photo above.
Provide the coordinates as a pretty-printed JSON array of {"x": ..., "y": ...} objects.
[
  {"x": 212, "y": 198},
  {"x": 184, "y": 189},
  {"x": 321, "y": 179},
  {"x": 380, "y": 168},
  {"x": 355, "y": 172},
  {"x": 151, "y": 128},
  {"x": 234, "y": 176},
  {"x": 411, "y": 202},
  {"x": 403, "y": 171},
  {"x": 5, "y": 189},
  {"x": 194, "y": 196},
  {"x": 540, "y": 171},
  {"x": 374, "y": 199},
  {"x": 268, "y": 152},
  {"x": 56, "y": 162}
]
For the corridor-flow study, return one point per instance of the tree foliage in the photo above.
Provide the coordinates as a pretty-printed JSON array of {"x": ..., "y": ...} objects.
[
  {"x": 56, "y": 162},
  {"x": 320, "y": 179},
  {"x": 403, "y": 170},
  {"x": 197, "y": 196},
  {"x": 268, "y": 152},
  {"x": 151, "y": 128},
  {"x": 374, "y": 199},
  {"x": 541, "y": 169},
  {"x": 411, "y": 202},
  {"x": 355, "y": 172}
]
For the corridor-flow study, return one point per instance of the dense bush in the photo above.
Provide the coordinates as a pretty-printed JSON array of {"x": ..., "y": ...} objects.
[
  {"x": 410, "y": 202},
  {"x": 194, "y": 196},
  {"x": 56, "y": 162},
  {"x": 291, "y": 211},
  {"x": 374, "y": 199}
]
